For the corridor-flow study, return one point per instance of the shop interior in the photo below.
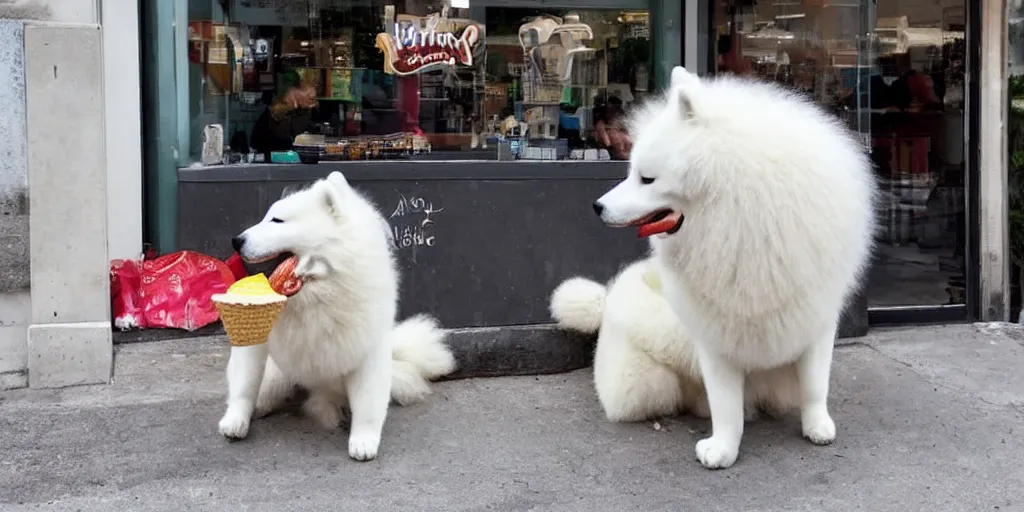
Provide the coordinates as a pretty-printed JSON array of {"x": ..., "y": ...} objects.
[
  {"x": 904, "y": 91},
  {"x": 313, "y": 80}
]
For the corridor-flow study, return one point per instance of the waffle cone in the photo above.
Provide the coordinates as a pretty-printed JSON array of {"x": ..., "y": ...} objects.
[{"x": 248, "y": 324}]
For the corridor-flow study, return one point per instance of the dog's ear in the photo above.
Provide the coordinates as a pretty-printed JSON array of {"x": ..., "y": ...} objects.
[
  {"x": 337, "y": 179},
  {"x": 330, "y": 195},
  {"x": 683, "y": 79},
  {"x": 684, "y": 85},
  {"x": 685, "y": 105}
]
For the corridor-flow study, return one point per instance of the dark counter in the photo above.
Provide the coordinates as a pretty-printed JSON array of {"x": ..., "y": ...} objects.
[{"x": 503, "y": 234}]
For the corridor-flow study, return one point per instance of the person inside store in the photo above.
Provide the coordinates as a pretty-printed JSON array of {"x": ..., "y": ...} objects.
[
  {"x": 608, "y": 130},
  {"x": 289, "y": 115}
]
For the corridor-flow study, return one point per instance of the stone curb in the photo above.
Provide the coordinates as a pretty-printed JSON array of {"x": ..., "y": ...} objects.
[
  {"x": 519, "y": 350},
  {"x": 479, "y": 352},
  {"x": 489, "y": 351}
]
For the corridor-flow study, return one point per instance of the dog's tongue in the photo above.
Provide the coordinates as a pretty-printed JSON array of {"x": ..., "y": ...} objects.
[
  {"x": 283, "y": 280},
  {"x": 659, "y": 226}
]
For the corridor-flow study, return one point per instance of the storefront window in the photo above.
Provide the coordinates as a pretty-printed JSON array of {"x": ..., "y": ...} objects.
[
  {"x": 323, "y": 80},
  {"x": 1015, "y": 143},
  {"x": 894, "y": 71}
]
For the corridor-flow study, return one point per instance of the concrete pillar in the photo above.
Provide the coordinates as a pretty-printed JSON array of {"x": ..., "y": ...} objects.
[
  {"x": 14, "y": 237},
  {"x": 69, "y": 339},
  {"x": 994, "y": 216},
  {"x": 16, "y": 310},
  {"x": 120, "y": 20}
]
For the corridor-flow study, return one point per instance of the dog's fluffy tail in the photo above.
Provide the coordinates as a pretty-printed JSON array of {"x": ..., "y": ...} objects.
[
  {"x": 578, "y": 304},
  {"x": 419, "y": 354}
]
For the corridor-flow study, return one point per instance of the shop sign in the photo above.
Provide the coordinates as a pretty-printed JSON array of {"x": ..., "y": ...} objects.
[{"x": 411, "y": 49}]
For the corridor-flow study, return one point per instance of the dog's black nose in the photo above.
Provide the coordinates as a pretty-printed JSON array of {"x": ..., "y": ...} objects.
[
  {"x": 237, "y": 243},
  {"x": 598, "y": 208}
]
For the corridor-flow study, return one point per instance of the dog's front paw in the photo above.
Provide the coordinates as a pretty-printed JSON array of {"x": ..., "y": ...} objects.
[
  {"x": 364, "y": 447},
  {"x": 234, "y": 425},
  {"x": 715, "y": 453},
  {"x": 819, "y": 427}
]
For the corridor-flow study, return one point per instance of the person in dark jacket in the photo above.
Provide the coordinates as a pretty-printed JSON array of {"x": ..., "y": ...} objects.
[{"x": 287, "y": 117}]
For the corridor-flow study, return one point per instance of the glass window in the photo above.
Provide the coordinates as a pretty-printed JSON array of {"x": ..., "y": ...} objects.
[
  {"x": 894, "y": 71},
  {"x": 1015, "y": 145},
  {"x": 323, "y": 80}
]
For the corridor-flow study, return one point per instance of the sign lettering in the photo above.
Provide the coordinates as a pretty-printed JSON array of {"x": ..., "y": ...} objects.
[{"x": 411, "y": 50}]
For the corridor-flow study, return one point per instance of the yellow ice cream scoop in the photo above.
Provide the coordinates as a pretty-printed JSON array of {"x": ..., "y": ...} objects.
[
  {"x": 254, "y": 289},
  {"x": 249, "y": 309}
]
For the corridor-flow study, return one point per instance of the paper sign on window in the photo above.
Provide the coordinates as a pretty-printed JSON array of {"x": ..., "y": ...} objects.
[{"x": 417, "y": 45}]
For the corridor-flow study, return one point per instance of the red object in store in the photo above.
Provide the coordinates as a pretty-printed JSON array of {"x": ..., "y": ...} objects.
[
  {"x": 171, "y": 291},
  {"x": 409, "y": 102}
]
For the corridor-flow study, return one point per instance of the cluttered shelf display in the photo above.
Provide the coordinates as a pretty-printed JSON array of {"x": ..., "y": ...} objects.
[{"x": 366, "y": 82}]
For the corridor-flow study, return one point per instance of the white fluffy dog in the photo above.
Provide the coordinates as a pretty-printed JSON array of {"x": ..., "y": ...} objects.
[
  {"x": 337, "y": 336},
  {"x": 763, "y": 206},
  {"x": 645, "y": 366}
]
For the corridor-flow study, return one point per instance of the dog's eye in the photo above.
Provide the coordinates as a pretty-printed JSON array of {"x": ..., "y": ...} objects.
[
  {"x": 646, "y": 181},
  {"x": 277, "y": 220}
]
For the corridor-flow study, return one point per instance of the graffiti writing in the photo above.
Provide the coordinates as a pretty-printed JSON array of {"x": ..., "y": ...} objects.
[{"x": 415, "y": 232}]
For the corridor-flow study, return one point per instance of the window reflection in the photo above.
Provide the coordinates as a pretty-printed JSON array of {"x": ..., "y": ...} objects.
[
  {"x": 319, "y": 80},
  {"x": 1015, "y": 145},
  {"x": 894, "y": 71}
]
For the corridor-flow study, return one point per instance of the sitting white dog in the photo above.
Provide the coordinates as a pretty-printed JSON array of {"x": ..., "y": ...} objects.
[
  {"x": 337, "y": 336},
  {"x": 645, "y": 365},
  {"x": 762, "y": 210}
]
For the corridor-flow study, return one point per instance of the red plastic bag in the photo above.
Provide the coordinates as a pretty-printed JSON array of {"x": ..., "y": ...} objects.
[{"x": 172, "y": 291}]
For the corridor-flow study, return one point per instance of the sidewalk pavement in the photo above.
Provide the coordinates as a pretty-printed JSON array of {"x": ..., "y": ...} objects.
[{"x": 929, "y": 419}]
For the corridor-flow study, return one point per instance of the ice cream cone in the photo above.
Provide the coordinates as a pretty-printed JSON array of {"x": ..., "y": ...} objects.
[{"x": 248, "y": 310}]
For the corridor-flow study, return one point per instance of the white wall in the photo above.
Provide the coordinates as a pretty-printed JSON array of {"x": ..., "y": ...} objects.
[
  {"x": 14, "y": 229},
  {"x": 120, "y": 20},
  {"x": 71, "y": 11}
]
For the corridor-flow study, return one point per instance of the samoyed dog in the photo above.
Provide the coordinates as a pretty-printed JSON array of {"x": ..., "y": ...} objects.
[
  {"x": 762, "y": 211},
  {"x": 337, "y": 337},
  {"x": 645, "y": 366}
]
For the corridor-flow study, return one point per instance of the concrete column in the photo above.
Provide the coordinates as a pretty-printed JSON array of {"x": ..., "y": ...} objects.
[
  {"x": 992, "y": 186},
  {"x": 69, "y": 340},
  {"x": 14, "y": 237},
  {"x": 120, "y": 20},
  {"x": 15, "y": 308},
  {"x": 68, "y": 11}
]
